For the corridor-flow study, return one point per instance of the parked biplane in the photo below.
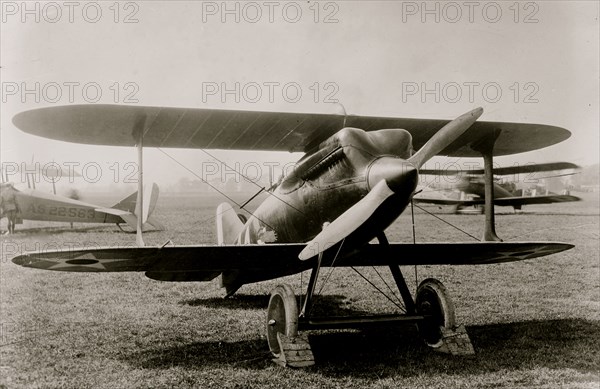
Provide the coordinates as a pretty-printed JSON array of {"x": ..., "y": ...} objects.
[
  {"x": 471, "y": 187},
  {"x": 32, "y": 172},
  {"x": 357, "y": 176},
  {"x": 37, "y": 205}
]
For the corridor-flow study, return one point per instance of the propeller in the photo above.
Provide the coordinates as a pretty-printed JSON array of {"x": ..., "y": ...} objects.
[
  {"x": 388, "y": 176},
  {"x": 348, "y": 221}
]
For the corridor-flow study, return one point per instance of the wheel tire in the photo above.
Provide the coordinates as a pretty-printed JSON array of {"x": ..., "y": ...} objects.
[
  {"x": 433, "y": 301},
  {"x": 282, "y": 316}
]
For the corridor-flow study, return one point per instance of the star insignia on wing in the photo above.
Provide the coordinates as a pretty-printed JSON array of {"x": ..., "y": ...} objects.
[
  {"x": 524, "y": 253},
  {"x": 84, "y": 262}
]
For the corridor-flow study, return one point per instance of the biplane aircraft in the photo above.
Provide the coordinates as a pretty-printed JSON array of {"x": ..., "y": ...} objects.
[
  {"x": 358, "y": 174},
  {"x": 37, "y": 205},
  {"x": 471, "y": 185},
  {"x": 32, "y": 172}
]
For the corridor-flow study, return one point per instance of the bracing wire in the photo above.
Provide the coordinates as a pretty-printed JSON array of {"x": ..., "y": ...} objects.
[
  {"x": 332, "y": 268},
  {"x": 212, "y": 186},
  {"x": 450, "y": 224},
  {"x": 251, "y": 181},
  {"x": 378, "y": 289},
  {"x": 386, "y": 284}
]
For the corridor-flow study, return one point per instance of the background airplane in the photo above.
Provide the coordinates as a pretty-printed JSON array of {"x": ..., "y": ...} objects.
[
  {"x": 348, "y": 188},
  {"x": 36, "y": 205},
  {"x": 31, "y": 172},
  {"x": 469, "y": 186}
]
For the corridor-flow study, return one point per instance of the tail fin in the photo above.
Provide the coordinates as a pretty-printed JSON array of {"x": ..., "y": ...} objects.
[
  {"x": 151, "y": 194},
  {"x": 229, "y": 225},
  {"x": 128, "y": 206},
  {"x": 150, "y": 199}
]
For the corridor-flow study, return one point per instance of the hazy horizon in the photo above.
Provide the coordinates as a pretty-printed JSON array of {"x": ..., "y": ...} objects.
[{"x": 536, "y": 64}]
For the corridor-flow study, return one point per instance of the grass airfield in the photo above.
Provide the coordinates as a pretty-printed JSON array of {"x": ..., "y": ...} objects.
[{"x": 534, "y": 323}]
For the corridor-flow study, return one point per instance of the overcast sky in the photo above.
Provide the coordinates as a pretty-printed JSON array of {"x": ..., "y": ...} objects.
[{"x": 530, "y": 61}]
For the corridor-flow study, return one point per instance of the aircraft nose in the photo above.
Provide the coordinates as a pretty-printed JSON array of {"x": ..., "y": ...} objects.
[{"x": 401, "y": 176}]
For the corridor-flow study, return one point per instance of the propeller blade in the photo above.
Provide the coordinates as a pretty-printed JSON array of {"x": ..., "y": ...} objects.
[
  {"x": 444, "y": 137},
  {"x": 347, "y": 222}
]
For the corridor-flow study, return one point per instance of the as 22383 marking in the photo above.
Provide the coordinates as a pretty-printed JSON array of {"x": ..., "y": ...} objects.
[{"x": 63, "y": 211}]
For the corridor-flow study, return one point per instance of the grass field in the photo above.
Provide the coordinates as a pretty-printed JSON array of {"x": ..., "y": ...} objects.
[{"x": 534, "y": 323}]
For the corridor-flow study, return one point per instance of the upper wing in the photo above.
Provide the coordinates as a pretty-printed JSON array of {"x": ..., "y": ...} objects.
[
  {"x": 167, "y": 262},
  {"x": 504, "y": 171},
  {"x": 253, "y": 130}
]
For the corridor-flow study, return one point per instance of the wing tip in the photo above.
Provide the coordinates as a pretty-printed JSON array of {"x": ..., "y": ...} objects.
[{"x": 20, "y": 259}]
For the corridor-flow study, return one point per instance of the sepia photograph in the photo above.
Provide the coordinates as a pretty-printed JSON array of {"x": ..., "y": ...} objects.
[{"x": 300, "y": 194}]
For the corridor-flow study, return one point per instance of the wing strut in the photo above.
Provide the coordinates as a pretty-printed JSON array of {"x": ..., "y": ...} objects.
[
  {"x": 308, "y": 322},
  {"x": 409, "y": 303},
  {"x": 310, "y": 291},
  {"x": 138, "y": 134},
  {"x": 486, "y": 148}
]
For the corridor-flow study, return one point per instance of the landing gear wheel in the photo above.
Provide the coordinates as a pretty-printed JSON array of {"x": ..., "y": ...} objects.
[
  {"x": 282, "y": 316},
  {"x": 434, "y": 303}
]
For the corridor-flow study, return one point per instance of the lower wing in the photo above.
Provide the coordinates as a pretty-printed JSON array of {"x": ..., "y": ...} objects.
[
  {"x": 169, "y": 262},
  {"x": 530, "y": 200},
  {"x": 503, "y": 201},
  {"x": 440, "y": 201}
]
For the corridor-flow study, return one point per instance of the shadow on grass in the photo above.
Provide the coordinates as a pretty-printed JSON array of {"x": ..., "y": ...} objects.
[
  {"x": 238, "y": 301},
  {"x": 552, "y": 344},
  {"x": 331, "y": 304}
]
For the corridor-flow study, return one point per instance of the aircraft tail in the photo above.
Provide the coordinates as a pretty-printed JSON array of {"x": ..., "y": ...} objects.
[
  {"x": 127, "y": 206},
  {"x": 229, "y": 225},
  {"x": 150, "y": 199}
]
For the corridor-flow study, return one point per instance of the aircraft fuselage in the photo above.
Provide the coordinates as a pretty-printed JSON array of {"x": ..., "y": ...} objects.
[
  {"x": 476, "y": 186},
  {"x": 35, "y": 205},
  {"x": 326, "y": 183}
]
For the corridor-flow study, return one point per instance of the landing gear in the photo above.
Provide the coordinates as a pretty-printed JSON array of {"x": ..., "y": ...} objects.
[
  {"x": 288, "y": 348},
  {"x": 282, "y": 316},
  {"x": 432, "y": 312},
  {"x": 434, "y": 304}
]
